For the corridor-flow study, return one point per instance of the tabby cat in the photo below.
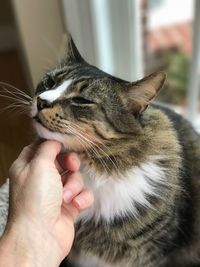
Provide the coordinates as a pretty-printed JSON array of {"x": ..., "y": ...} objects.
[{"x": 141, "y": 160}]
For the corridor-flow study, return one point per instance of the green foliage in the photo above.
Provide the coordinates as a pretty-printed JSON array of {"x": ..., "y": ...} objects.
[{"x": 177, "y": 68}]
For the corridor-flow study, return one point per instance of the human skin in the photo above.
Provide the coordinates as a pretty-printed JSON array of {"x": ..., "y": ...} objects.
[{"x": 43, "y": 206}]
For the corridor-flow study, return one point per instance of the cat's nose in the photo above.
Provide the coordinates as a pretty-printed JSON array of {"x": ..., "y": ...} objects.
[{"x": 42, "y": 103}]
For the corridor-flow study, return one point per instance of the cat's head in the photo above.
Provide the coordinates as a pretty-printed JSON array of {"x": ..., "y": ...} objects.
[{"x": 82, "y": 106}]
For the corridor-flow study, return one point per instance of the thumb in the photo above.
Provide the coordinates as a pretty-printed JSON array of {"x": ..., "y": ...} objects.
[{"x": 48, "y": 150}]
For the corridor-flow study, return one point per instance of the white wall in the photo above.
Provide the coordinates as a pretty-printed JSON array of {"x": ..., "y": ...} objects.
[{"x": 41, "y": 34}]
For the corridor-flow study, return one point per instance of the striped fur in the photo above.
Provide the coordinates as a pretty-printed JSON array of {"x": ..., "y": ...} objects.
[{"x": 143, "y": 165}]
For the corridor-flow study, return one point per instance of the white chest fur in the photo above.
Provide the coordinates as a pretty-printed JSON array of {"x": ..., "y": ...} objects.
[{"x": 118, "y": 195}]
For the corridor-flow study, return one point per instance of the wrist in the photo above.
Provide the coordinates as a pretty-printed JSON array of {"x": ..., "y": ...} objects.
[
  {"x": 25, "y": 246},
  {"x": 13, "y": 252}
]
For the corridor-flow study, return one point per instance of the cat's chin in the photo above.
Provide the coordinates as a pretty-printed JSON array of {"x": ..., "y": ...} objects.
[{"x": 69, "y": 143}]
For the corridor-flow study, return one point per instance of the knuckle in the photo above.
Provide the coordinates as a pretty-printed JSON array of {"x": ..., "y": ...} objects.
[
  {"x": 39, "y": 162},
  {"x": 75, "y": 182},
  {"x": 78, "y": 180},
  {"x": 12, "y": 169},
  {"x": 26, "y": 148}
]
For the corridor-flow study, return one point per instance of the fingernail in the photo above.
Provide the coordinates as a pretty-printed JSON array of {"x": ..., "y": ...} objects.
[
  {"x": 79, "y": 202},
  {"x": 67, "y": 195},
  {"x": 64, "y": 172}
]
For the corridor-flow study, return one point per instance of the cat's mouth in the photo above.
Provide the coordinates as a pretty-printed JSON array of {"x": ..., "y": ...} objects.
[
  {"x": 68, "y": 140},
  {"x": 40, "y": 121},
  {"x": 37, "y": 119}
]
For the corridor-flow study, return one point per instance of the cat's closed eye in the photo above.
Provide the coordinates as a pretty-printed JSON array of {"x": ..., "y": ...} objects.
[
  {"x": 81, "y": 101},
  {"x": 49, "y": 83}
]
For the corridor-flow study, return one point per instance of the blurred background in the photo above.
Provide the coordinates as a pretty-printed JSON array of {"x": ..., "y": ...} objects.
[{"x": 129, "y": 39}]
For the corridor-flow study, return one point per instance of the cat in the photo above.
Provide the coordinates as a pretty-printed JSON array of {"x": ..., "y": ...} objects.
[{"x": 141, "y": 160}]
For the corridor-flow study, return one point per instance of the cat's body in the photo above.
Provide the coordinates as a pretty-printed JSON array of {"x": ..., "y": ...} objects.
[
  {"x": 143, "y": 166},
  {"x": 164, "y": 232}
]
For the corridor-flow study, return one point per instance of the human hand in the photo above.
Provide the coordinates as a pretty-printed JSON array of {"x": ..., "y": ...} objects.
[{"x": 40, "y": 223}]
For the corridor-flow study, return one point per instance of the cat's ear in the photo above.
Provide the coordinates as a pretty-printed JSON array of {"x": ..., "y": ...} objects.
[
  {"x": 141, "y": 93},
  {"x": 72, "y": 51}
]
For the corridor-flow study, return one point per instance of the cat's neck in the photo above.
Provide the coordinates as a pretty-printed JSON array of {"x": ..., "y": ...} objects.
[
  {"x": 120, "y": 195},
  {"x": 137, "y": 172}
]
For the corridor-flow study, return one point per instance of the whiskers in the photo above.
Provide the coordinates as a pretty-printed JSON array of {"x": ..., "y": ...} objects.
[
  {"x": 20, "y": 102},
  {"x": 96, "y": 150}
]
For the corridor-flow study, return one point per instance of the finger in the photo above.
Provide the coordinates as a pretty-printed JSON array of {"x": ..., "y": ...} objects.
[
  {"x": 58, "y": 167},
  {"x": 26, "y": 155},
  {"x": 29, "y": 150},
  {"x": 69, "y": 161},
  {"x": 70, "y": 211},
  {"x": 73, "y": 186},
  {"x": 64, "y": 175},
  {"x": 84, "y": 200},
  {"x": 48, "y": 150}
]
